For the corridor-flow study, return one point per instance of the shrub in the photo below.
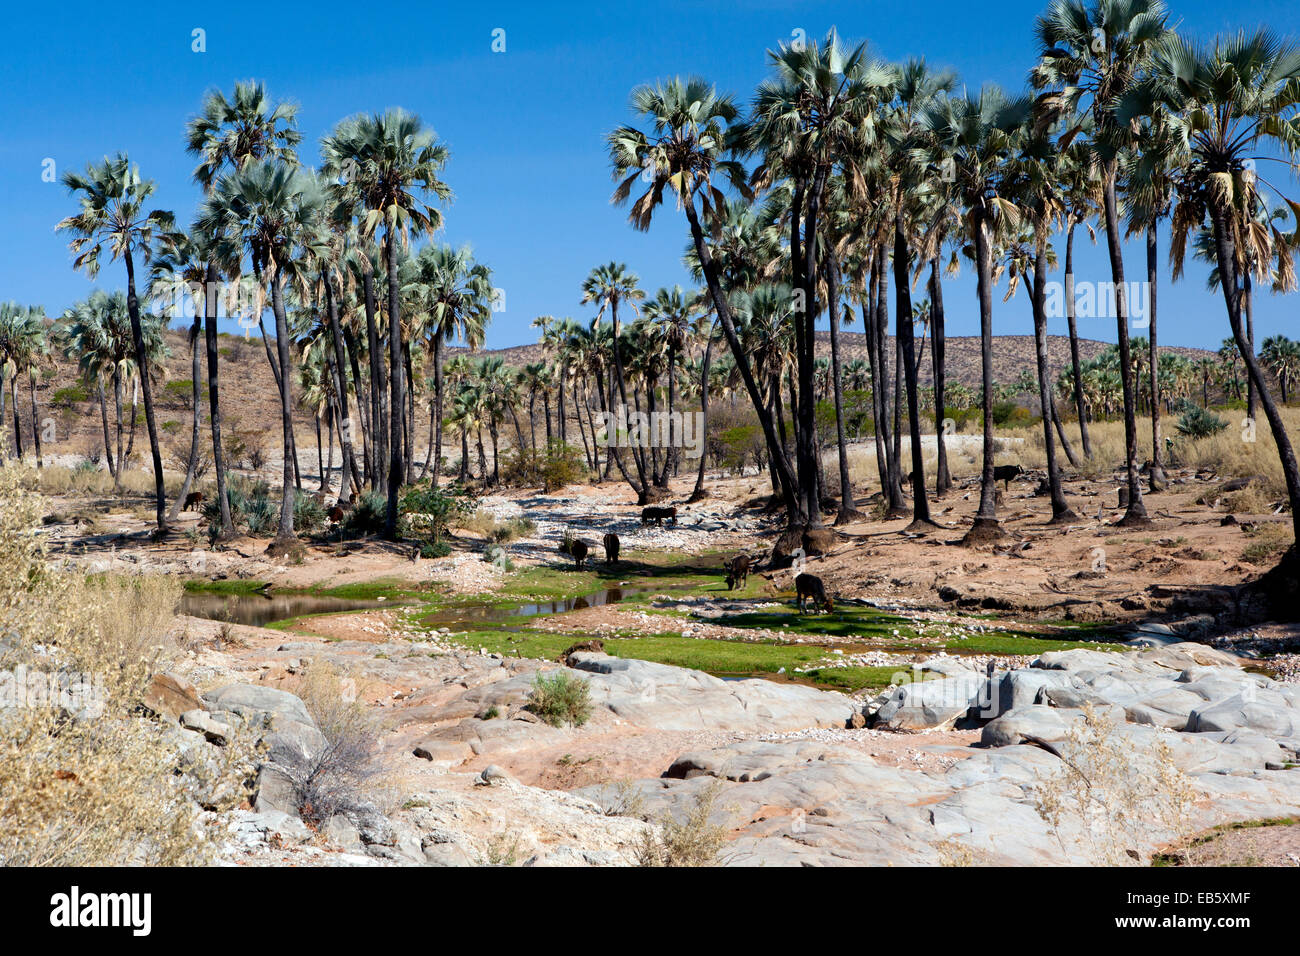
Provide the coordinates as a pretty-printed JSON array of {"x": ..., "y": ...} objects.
[
  {"x": 308, "y": 513},
  {"x": 427, "y": 512},
  {"x": 1196, "y": 422},
  {"x": 369, "y": 511},
  {"x": 71, "y": 394},
  {"x": 554, "y": 467},
  {"x": 693, "y": 841},
  {"x": 560, "y": 699},
  {"x": 348, "y": 774}
]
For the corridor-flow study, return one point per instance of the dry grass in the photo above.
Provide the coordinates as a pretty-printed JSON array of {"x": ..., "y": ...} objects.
[
  {"x": 87, "y": 779},
  {"x": 691, "y": 841}
]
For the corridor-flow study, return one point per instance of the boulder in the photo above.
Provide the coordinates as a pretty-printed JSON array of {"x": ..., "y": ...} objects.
[
  {"x": 258, "y": 704},
  {"x": 927, "y": 704},
  {"x": 171, "y": 695}
]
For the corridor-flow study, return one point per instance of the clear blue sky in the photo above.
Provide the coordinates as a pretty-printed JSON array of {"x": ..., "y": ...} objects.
[{"x": 525, "y": 127}]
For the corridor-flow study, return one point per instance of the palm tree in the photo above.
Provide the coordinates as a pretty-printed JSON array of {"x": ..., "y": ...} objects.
[
  {"x": 1034, "y": 186},
  {"x": 1077, "y": 172},
  {"x": 686, "y": 146},
  {"x": 809, "y": 118},
  {"x": 114, "y": 218},
  {"x": 972, "y": 137},
  {"x": 1091, "y": 57},
  {"x": 1281, "y": 356},
  {"x": 384, "y": 164},
  {"x": 456, "y": 294},
  {"x": 268, "y": 211},
  {"x": 178, "y": 275},
  {"x": 1228, "y": 101},
  {"x": 612, "y": 285},
  {"x": 23, "y": 343},
  {"x": 676, "y": 314},
  {"x": 226, "y": 135}
]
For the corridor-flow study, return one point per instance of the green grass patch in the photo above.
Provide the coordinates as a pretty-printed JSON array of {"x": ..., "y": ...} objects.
[{"x": 200, "y": 586}]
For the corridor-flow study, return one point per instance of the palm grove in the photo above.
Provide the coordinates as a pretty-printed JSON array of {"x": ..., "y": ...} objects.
[{"x": 849, "y": 184}]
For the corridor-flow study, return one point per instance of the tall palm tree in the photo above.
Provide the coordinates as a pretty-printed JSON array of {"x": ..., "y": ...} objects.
[
  {"x": 23, "y": 344},
  {"x": 1077, "y": 172},
  {"x": 385, "y": 164},
  {"x": 1229, "y": 101},
  {"x": 972, "y": 138},
  {"x": 810, "y": 117},
  {"x": 114, "y": 219},
  {"x": 1092, "y": 53},
  {"x": 178, "y": 276},
  {"x": 456, "y": 294},
  {"x": 226, "y": 135},
  {"x": 687, "y": 145},
  {"x": 268, "y": 212}
]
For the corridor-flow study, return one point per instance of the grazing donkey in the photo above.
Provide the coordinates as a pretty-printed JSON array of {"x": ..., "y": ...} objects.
[
  {"x": 578, "y": 550},
  {"x": 810, "y": 586},
  {"x": 737, "y": 571},
  {"x": 193, "y": 500},
  {"x": 611, "y": 547}
]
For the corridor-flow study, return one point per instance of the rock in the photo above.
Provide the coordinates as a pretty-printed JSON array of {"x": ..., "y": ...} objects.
[
  {"x": 1239, "y": 713},
  {"x": 275, "y": 791},
  {"x": 339, "y": 829},
  {"x": 1170, "y": 708},
  {"x": 214, "y": 731},
  {"x": 1020, "y": 688},
  {"x": 491, "y": 776},
  {"x": 257, "y": 704},
  {"x": 171, "y": 695},
  {"x": 926, "y": 704},
  {"x": 446, "y": 753}
]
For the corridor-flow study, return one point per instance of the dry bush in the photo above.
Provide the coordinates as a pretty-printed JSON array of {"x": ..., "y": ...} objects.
[
  {"x": 1116, "y": 796},
  {"x": 693, "y": 841},
  {"x": 87, "y": 779},
  {"x": 349, "y": 774}
]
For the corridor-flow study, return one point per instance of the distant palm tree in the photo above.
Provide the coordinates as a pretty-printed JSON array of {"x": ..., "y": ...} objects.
[
  {"x": 114, "y": 218},
  {"x": 385, "y": 164},
  {"x": 23, "y": 345},
  {"x": 456, "y": 293},
  {"x": 677, "y": 316},
  {"x": 268, "y": 212}
]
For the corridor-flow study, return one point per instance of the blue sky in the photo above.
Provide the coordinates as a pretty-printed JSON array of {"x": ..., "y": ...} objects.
[{"x": 525, "y": 127}]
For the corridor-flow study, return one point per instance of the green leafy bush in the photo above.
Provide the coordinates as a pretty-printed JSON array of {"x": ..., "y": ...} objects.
[
  {"x": 1197, "y": 422},
  {"x": 560, "y": 699}
]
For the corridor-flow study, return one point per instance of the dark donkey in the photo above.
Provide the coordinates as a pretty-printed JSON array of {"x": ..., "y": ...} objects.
[
  {"x": 611, "y": 547},
  {"x": 737, "y": 571},
  {"x": 578, "y": 550},
  {"x": 810, "y": 586}
]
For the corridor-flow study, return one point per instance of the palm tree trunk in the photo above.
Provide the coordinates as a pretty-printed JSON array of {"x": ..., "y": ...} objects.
[
  {"x": 1077, "y": 369},
  {"x": 1061, "y": 512},
  {"x": 794, "y": 511},
  {"x": 847, "y": 510},
  {"x": 1225, "y": 254},
  {"x": 397, "y": 398},
  {"x": 103, "y": 418},
  {"x": 142, "y": 366},
  {"x": 1136, "y": 513},
  {"x": 196, "y": 398},
  {"x": 699, "y": 493},
  {"x": 18, "y": 428},
  {"x": 437, "y": 409},
  {"x": 985, "y": 527},
  {"x": 285, "y": 531},
  {"x": 349, "y": 477},
  {"x": 1248, "y": 309},
  {"x": 896, "y": 508},
  {"x": 117, "y": 411},
  {"x": 36, "y": 423},
  {"x": 1060, "y": 432},
  {"x": 378, "y": 386},
  {"x": 943, "y": 478},
  {"x": 1157, "y": 475},
  {"x": 907, "y": 350},
  {"x": 214, "y": 405}
]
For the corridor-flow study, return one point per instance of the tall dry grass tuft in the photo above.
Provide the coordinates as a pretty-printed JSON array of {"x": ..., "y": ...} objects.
[{"x": 87, "y": 780}]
